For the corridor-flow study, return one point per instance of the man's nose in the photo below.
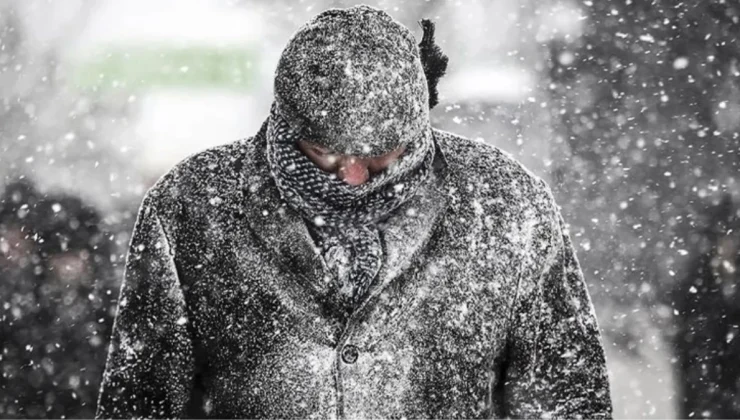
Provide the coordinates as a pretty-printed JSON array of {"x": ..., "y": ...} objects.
[{"x": 353, "y": 170}]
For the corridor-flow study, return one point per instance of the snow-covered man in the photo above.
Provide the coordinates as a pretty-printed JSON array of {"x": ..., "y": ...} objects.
[{"x": 351, "y": 261}]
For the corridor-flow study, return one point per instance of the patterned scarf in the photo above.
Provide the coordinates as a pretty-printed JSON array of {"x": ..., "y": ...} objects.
[{"x": 344, "y": 217}]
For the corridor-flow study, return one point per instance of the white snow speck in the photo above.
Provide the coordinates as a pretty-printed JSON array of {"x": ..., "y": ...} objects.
[{"x": 680, "y": 63}]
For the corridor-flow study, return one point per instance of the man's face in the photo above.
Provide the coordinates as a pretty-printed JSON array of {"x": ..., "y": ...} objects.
[{"x": 351, "y": 169}]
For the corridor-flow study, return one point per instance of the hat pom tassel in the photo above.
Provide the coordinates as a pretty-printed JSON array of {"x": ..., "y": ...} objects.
[{"x": 433, "y": 61}]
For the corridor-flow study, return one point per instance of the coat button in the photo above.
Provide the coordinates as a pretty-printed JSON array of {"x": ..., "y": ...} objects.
[{"x": 350, "y": 353}]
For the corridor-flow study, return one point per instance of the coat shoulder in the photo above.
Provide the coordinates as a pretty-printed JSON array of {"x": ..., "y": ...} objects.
[
  {"x": 481, "y": 171},
  {"x": 202, "y": 179},
  {"x": 495, "y": 199}
]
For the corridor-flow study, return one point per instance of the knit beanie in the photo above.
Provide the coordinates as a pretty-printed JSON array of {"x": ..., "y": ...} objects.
[{"x": 352, "y": 80}]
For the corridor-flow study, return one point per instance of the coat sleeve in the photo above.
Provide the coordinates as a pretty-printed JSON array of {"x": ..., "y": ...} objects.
[
  {"x": 150, "y": 361},
  {"x": 556, "y": 366}
]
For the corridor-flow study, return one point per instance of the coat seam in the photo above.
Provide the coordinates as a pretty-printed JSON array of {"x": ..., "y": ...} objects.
[
  {"x": 512, "y": 324},
  {"x": 171, "y": 252},
  {"x": 551, "y": 259},
  {"x": 515, "y": 301}
]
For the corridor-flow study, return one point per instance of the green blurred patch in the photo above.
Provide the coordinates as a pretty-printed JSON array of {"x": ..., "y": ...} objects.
[{"x": 135, "y": 68}]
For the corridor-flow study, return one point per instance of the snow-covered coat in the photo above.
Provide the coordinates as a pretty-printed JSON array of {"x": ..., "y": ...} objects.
[{"x": 223, "y": 310}]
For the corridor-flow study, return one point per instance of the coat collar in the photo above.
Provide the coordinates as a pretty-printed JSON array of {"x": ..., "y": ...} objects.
[{"x": 284, "y": 232}]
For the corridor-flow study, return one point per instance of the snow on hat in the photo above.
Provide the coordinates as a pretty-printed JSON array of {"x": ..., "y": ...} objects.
[{"x": 352, "y": 80}]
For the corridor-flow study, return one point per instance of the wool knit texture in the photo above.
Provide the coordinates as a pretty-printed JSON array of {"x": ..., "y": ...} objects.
[{"x": 352, "y": 79}]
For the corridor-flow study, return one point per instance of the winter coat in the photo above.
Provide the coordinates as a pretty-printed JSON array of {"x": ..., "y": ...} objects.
[{"x": 224, "y": 312}]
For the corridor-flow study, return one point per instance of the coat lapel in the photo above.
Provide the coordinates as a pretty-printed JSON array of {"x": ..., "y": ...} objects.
[
  {"x": 406, "y": 233},
  {"x": 278, "y": 227}
]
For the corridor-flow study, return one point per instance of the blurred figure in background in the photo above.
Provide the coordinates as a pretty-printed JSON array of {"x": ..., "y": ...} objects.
[
  {"x": 54, "y": 274},
  {"x": 707, "y": 344}
]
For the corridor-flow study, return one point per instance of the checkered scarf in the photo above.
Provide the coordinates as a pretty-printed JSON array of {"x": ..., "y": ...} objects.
[{"x": 344, "y": 217}]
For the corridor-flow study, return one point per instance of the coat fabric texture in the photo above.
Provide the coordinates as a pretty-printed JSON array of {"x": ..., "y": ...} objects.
[{"x": 224, "y": 310}]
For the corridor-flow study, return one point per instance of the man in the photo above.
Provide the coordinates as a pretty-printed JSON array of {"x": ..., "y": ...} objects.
[{"x": 351, "y": 261}]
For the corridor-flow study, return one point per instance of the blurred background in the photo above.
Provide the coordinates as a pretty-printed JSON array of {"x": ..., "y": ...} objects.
[{"x": 629, "y": 109}]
